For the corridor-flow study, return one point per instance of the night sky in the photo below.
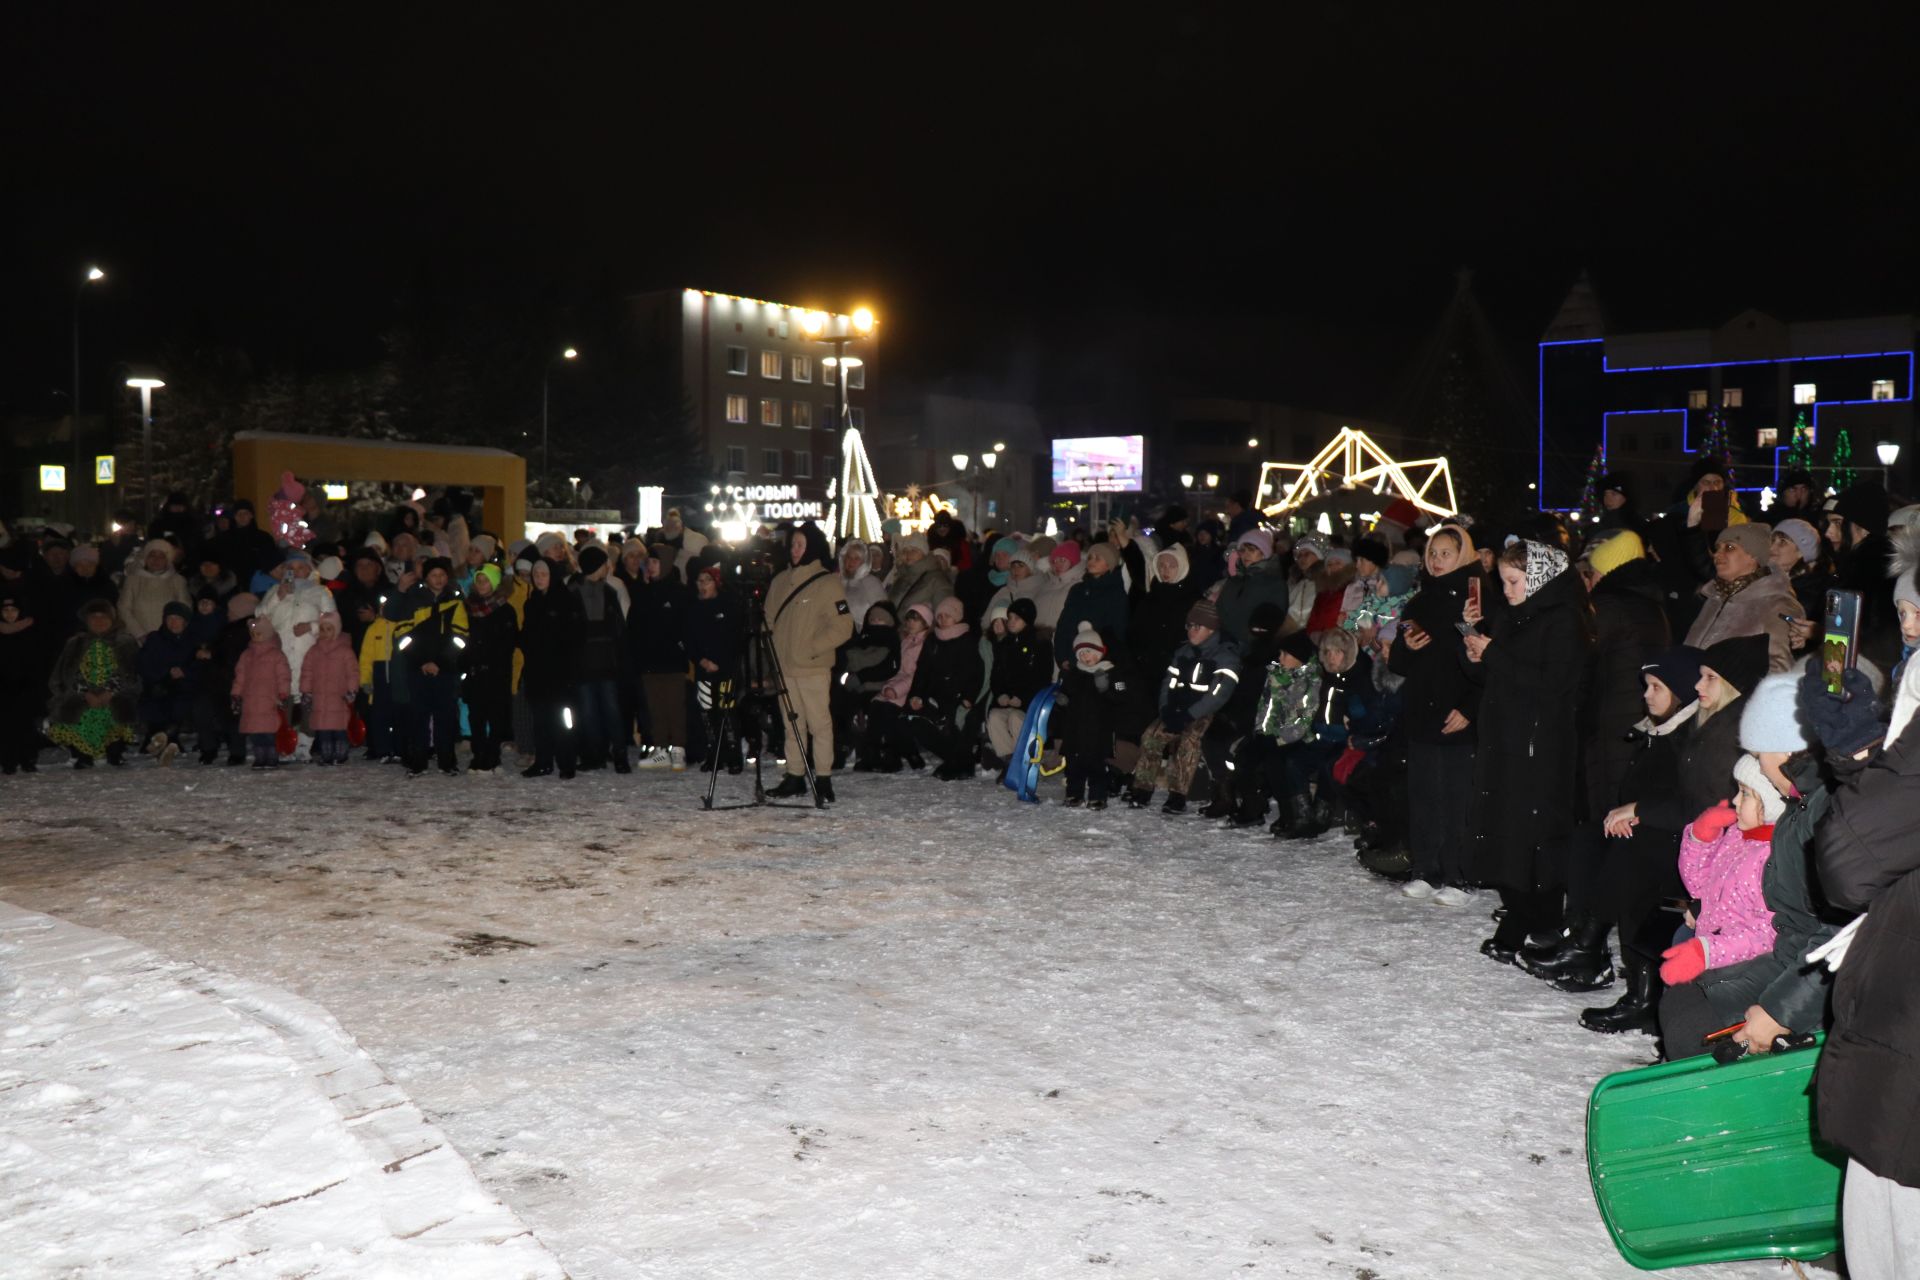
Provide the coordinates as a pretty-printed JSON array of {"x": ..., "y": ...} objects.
[{"x": 276, "y": 177}]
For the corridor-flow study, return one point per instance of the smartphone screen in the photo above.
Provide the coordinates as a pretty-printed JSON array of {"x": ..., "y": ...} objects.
[
  {"x": 1713, "y": 509},
  {"x": 1840, "y": 640}
]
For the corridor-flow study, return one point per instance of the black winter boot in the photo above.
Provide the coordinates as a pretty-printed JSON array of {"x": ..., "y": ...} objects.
[
  {"x": 1637, "y": 1010},
  {"x": 1176, "y": 803},
  {"x": 1584, "y": 943},
  {"x": 1221, "y": 804},
  {"x": 823, "y": 789},
  {"x": 1310, "y": 819},
  {"x": 1138, "y": 799},
  {"x": 792, "y": 785}
]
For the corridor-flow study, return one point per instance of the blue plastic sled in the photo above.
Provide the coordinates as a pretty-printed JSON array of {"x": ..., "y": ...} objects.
[{"x": 1023, "y": 771}]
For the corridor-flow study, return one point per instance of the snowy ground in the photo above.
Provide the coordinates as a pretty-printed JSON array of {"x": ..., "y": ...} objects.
[{"x": 931, "y": 1033}]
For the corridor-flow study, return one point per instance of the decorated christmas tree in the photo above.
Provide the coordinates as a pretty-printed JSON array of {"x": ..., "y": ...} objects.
[
  {"x": 1716, "y": 445},
  {"x": 1842, "y": 476},
  {"x": 1800, "y": 448},
  {"x": 1596, "y": 469}
]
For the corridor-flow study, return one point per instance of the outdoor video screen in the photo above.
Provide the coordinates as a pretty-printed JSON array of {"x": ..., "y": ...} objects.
[{"x": 1099, "y": 464}]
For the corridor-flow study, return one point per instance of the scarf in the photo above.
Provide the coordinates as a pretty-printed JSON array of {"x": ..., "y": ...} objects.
[
  {"x": 1544, "y": 564},
  {"x": 1728, "y": 590},
  {"x": 953, "y": 632}
]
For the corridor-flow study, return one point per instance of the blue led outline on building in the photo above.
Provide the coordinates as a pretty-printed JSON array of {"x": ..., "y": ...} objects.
[{"x": 1540, "y": 446}]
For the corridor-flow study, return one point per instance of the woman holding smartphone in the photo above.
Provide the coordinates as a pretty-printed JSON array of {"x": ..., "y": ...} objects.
[
  {"x": 1531, "y": 667},
  {"x": 1442, "y": 707}
]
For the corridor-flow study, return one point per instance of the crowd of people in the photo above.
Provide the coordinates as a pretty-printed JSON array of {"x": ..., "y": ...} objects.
[{"x": 1634, "y": 730}]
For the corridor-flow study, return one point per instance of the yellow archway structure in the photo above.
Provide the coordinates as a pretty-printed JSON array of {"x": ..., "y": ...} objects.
[
  {"x": 1427, "y": 483},
  {"x": 501, "y": 477}
]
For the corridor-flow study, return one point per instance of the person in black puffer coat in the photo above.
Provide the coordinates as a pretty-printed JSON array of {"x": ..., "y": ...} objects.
[
  {"x": 493, "y": 633},
  {"x": 1638, "y": 865},
  {"x": 1532, "y": 668},
  {"x": 550, "y": 640},
  {"x": 1022, "y": 667},
  {"x": 1093, "y": 689},
  {"x": 945, "y": 685},
  {"x": 657, "y": 655},
  {"x": 869, "y": 658},
  {"x": 1159, "y": 624},
  {"x": 1440, "y": 709},
  {"x": 715, "y": 640},
  {"x": 1867, "y": 1089},
  {"x": 1099, "y": 598}
]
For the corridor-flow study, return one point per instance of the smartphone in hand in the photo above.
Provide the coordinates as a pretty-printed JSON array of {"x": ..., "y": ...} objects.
[
  {"x": 1713, "y": 509},
  {"x": 1840, "y": 640}
]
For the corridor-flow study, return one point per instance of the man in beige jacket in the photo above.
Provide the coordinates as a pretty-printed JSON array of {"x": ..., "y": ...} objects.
[{"x": 807, "y": 612}]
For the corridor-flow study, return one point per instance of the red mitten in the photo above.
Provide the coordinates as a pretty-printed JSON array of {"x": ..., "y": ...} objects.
[
  {"x": 1684, "y": 963},
  {"x": 1708, "y": 826}
]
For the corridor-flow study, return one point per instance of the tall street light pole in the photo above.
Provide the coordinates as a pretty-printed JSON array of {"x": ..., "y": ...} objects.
[
  {"x": 147, "y": 383},
  {"x": 546, "y": 382},
  {"x": 837, "y": 332},
  {"x": 92, "y": 276}
]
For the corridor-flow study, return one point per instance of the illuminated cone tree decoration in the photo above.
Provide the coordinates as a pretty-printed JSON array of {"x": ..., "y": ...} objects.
[
  {"x": 859, "y": 512},
  {"x": 1800, "y": 449}
]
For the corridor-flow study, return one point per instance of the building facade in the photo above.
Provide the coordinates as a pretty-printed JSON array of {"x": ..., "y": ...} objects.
[
  {"x": 1649, "y": 400},
  {"x": 763, "y": 382}
]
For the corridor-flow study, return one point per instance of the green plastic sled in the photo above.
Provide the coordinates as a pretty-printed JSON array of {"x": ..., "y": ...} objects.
[{"x": 1693, "y": 1162}]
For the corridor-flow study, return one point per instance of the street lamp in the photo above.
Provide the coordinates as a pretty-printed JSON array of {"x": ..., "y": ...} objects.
[
  {"x": 147, "y": 381},
  {"x": 546, "y": 380},
  {"x": 1186, "y": 480},
  {"x": 92, "y": 275},
  {"x": 1889, "y": 453},
  {"x": 837, "y": 332}
]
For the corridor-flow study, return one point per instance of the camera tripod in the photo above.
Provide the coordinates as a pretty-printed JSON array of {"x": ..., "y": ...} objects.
[{"x": 761, "y": 658}]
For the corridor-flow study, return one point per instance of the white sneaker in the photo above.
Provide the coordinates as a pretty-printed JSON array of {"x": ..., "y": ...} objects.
[
  {"x": 677, "y": 759},
  {"x": 1418, "y": 890},
  {"x": 1452, "y": 896}
]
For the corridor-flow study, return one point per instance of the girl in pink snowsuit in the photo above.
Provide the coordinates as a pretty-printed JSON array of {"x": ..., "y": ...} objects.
[
  {"x": 329, "y": 682},
  {"x": 1723, "y": 856},
  {"x": 262, "y": 683}
]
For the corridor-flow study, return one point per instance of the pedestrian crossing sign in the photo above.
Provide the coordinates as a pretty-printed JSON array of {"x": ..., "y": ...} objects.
[{"x": 103, "y": 469}]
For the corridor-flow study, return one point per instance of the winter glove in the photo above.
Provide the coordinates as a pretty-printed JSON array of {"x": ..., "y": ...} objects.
[
  {"x": 1712, "y": 822},
  {"x": 1684, "y": 963},
  {"x": 1175, "y": 720},
  {"x": 1843, "y": 727}
]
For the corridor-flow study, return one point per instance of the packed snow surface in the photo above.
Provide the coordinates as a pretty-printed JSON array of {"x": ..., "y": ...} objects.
[{"x": 931, "y": 1032}]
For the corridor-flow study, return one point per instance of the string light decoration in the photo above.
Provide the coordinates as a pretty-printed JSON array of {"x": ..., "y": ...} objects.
[
  {"x": 1800, "y": 448},
  {"x": 1362, "y": 464},
  {"x": 1716, "y": 445},
  {"x": 1842, "y": 472},
  {"x": 1596, "y": 469},
  {"x": 284, "y": 521}
]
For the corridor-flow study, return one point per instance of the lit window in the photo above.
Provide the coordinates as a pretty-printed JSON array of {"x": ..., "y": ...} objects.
[
  {"x": 830, "y": 373},
  {"x": 1804, "y": 393},
  {"x": 1697, "y": 399},
  {"x": 1730, "y": 397},
  {"x": 856, "y": 417},
  {"x": 770, "y": 364},
  {"x": 803, "y": 414},
  {"x": 737, "y": 361},
  {"x": 800, "y": 368},
  {"x": 737, "y": 459},
  {"x": 770, "y": 462},
  {"x": 1766, "y": 437},
  {"x": 857, "y": 376},
  {"x": 1883, "y": 388},
  {"x": 769, "y": 413},
  {"x": 736, "y": 408},
  {"x": 802, "y": 465}
]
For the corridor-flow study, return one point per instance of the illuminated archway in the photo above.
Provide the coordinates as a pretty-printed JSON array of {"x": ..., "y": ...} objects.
[{"x": 1427, "y": 483}]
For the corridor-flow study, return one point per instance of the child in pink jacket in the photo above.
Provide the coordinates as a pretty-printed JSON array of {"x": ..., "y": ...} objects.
[
  {"x": 262, "y": 683},
  {"x": 329, "y": 681},
  {"x": 1723, "y": 856}
]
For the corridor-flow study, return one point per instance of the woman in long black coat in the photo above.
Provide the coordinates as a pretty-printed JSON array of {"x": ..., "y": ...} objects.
[
  {"x": 1533, "y": 667},
  {"x": 550, "y": 638}
]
